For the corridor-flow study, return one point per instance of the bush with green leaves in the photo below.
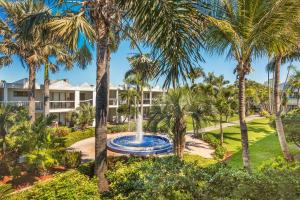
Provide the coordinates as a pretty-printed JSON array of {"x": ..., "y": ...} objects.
[
  {"x": 170, "y": 178},
  {"x": 78, "y": 135},
  {"x": 68, "y": 186},
  {"x": 220, "y": 150},
  {"x": 72, "y": 159},
  {"x": 5, "y": 190},
  {"x": 291, "y": 127},
  {"x": 61, "y": 131}
]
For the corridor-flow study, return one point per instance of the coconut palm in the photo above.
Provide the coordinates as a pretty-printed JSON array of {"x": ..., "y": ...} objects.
[
  {"x": 270, "y": 69},
  {"x": 85, "y": 115},
  {"x": 288, "y": 52},
  {"x": 247, "y": 29},
  {"x": 172, "y": 32},
  {"x": 143, "y": 69},
  {"x": 13, "y": 44}
]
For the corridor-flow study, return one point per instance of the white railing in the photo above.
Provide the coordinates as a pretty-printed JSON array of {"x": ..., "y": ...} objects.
[
  {"x": 89, "y": 101},
  {"x": 62, "y": 104},
  {"x": 38, "y": 104}
]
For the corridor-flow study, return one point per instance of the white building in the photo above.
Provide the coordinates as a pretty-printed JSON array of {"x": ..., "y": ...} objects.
[{"x": 65, "y": 98}]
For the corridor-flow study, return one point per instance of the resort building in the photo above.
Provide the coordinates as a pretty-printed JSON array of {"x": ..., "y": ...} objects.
[{"x": 65, "y": 98}]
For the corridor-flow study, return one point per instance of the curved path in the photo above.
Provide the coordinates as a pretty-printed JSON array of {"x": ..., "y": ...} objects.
[{"x": 193, "y": 145}]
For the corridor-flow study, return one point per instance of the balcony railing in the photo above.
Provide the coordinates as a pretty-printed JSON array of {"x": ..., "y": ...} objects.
[
  {"x": 87, "y": 101},
  {"x": 38, "y": 104},
  {"x": 62, "y": 104},
  {"x": 146, "y": 101}
]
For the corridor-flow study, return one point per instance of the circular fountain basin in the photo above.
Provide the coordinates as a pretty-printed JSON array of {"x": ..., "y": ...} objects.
[{"x": 151, "y": 144}]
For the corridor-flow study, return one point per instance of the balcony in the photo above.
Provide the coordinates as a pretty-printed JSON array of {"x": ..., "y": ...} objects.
[
  {"x": 38, "y": 104},
  {"x": 62, "y": 104},
  {"x": 87, "y": 101},
  {"x": 146, "y": 101},
  {"x": 113, "y": 101}
]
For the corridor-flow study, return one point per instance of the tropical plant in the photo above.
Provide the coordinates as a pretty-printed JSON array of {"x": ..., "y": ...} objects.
[
  {"x": 170, "y": 113},
  {"x": 222, "y": 98},
  {"x": 294, "y": 84},
  {"x": 143, "y": 69},
  {"x": 85, "y": 115},
  {"x": 167, "y": 28},
  {"x": 286, "y": 52},
  {"x": 201, "y": 110},
  {"x": 247, "y": 29},
  {"x": 196, "y": 73},
  {"x": 130, "y": 96}
]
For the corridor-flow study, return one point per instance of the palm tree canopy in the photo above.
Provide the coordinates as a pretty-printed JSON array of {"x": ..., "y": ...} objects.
[
  {"x": 173, "y": 31},
  {"x": 252, "y": 28}
]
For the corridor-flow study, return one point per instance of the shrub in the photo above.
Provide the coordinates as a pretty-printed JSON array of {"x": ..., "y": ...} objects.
[
  {"x": 72, "y": 159},
  {"x": 61, "y": 131},
  {"x": 4, "y": 191},
  {"x": 170, "y": 178},
  {"x": 264, "y": 113},
  {"x": 79, "y": 135},
  {"x": 117, "y": 128},
  {"x": 220, "y": 151},
  {"x": 70, "y": 185},
  {"x": 39, "y": 161}
]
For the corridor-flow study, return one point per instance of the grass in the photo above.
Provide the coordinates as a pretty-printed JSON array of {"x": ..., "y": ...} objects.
[
  {"x": 198, "y": 160},
  {"x": 263, "y": 143},
  {"x": 212, "y": 123}
]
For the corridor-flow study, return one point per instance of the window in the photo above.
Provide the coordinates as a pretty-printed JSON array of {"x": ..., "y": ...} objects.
[{"x": 20, "y": 94}]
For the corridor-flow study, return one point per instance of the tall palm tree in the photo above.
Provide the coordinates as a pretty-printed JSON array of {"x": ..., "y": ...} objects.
[
  {"x": 270, "y": 69},
  {"x": 287, "y": 52},
  {"x": 247, "y": 29},
  {"x": 143, "y": 69},
  {"x": 172, "y": 32},
  {"x": 13, "y": 44},
  {"x": 295, "y": 85}
]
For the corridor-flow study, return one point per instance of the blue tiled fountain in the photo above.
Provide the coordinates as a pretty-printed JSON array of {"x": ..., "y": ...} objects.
[{"x": 139, "y": 143}]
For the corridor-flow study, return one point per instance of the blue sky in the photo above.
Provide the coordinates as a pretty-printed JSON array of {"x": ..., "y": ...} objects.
[{"x": 119, "y": 65}]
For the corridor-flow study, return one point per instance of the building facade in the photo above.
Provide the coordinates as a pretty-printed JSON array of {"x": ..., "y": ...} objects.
[{"x": 65, "y": 98}]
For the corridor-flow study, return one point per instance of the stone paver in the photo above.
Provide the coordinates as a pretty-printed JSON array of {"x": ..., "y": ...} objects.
[{"x": 193, "y": 145}]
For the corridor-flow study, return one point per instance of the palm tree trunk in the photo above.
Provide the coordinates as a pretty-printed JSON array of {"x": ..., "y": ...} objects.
[
  {"x": 277, "y": 105},
  {"x": 46, "y": 91},
  {"x": 179, "y": 139},
  {"x": 31, "y": 94},
  {"x": 221, "y": 130},
  {"x": 243, "y": 125},
  {"x": 102, "y": 95},
  {"x": 270, "y": 96}
]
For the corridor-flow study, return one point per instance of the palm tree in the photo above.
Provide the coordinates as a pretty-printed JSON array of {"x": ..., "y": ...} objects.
[
  {"x": 196, "y": 73},
  {"x": 248, "y": 29},
  {"x": 217, "y": 85},
  {"x": 13, "y": 44},
  {"x": 130, "y": 96},
  {"x": 295, "y": 85},
  {"x": 270, "y": 69},
  {"x": 170, "y": 113},
  {"x": 201, "y": 109},
  {"x": 172, "y": 32},
  {"x": 287, "y": 52},
  {"x": 143, "y": 69}
]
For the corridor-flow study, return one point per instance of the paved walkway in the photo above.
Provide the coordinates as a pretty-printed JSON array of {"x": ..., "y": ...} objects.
[{"x": 193, "y": 145}]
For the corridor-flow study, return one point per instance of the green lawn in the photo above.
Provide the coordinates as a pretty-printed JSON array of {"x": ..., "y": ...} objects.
[
  {"x": 263, "y": 143},
  {"x": 212, "y": 123}
]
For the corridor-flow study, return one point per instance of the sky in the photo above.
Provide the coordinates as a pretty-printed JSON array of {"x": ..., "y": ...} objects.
[{"x": 119, "y": 65}]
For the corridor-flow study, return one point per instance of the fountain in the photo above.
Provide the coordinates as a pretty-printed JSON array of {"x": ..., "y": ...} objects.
[{"x": 140, "y": 143}]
